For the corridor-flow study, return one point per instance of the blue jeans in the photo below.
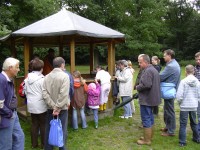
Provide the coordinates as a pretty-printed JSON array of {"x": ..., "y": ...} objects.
[
  {"x": 12, "y": 137},
  {"x": 63, "y": 116},
  {"x": 183, "y": 124},
  {"x": 96, "y": 118},
  {"x": 169, "y": 115},
  {"x": 147, "y": 117},
  {"x": 127, "y": 107},
  {"x": 75, "y": 118},
  {"x": 198, "y": 115}
]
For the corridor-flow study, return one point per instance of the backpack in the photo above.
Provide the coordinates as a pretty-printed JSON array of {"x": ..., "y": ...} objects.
[{"x": 21, "y": 90}]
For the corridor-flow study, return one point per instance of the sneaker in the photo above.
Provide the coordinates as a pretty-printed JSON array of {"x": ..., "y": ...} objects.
[
  {"x": 96, "y": 125},
  {"x": 130, "y": 116},
  {"x": 124, "y": 117},
  {"x": 182, "y": 144},
  {"x": 196, "y": 141}
]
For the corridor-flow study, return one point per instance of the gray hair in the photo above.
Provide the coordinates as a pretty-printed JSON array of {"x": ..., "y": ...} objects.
[
  {"x": 140, "y": 55},
  {"x": 189, "y": 69},
  {"x": 146, "y": 58},
  {"x": 58, "y": 61},
  {"x": 124, "y": 62},
  {"x": 9, "y": 62}
]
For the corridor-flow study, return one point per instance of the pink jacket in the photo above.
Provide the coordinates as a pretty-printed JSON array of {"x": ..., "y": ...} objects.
[{"x": 93, "y": 95}]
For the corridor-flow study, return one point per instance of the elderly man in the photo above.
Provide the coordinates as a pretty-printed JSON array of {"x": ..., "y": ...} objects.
[
  {"x": 149, "y": 95},
  {"x": 56, "y": 95},
  {"x": 170, "y": 75},
  {"x": 12, "y": 136}
]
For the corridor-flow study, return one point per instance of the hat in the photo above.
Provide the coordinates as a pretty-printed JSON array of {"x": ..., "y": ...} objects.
[{"x": 92, "y": 86}]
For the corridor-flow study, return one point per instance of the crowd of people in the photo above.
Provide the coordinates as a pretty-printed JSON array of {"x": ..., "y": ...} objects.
[{"x": 50, "y": 91}]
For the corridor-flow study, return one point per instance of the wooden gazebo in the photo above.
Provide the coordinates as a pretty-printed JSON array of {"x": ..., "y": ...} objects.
[{"x": 65, "y": 29}]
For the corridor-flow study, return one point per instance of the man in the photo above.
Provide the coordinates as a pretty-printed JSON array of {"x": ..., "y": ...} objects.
[
  {"x": 149, "y": 96},
  {"x": 56, "y": 95},
  {"x": 170, "y": 74},
  {"x": 197, "y": 75},
  {"x": 12, "y": 136},
  {"x": 125, "y": 79},
  {"x": 48, "y": 61}
]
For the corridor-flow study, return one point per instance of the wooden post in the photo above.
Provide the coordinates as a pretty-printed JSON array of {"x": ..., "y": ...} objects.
[
  {"x": 111, "y": 57},
  {"x": 72, "y": 55},
  {"x": 91, "y": 57},
  {"x": 61, "y": 46},
  {"x": 26, "y": 55},
  {"x": 111, "y": 67}
]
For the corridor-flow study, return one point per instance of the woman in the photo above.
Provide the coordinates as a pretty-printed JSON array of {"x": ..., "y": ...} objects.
[{"x": 35, "y": 103}]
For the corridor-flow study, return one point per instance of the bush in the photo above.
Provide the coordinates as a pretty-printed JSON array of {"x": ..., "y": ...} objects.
[{"x": 184, "y": 63}]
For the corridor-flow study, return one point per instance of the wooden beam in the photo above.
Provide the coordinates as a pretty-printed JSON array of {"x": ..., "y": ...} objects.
[
  {"x": 26, "y": 55},
  {"x": 30, "y": 48},
  {"x": 61, "y": 46},
  {"x": 91, "y": 57},
  {"x": 13, "y": 48},
  {"x": 111, "y": 57},
  {"x": 72, "y": 55}
]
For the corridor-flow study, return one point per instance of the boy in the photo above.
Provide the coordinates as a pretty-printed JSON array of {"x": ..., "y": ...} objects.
[{"x": 187, "y": 96}]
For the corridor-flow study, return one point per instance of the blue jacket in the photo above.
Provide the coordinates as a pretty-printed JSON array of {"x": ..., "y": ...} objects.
[
  {"x": 171, "y": 73},
  {"x": 71, "y": 90},
  {"x": 8, "y": 101}
]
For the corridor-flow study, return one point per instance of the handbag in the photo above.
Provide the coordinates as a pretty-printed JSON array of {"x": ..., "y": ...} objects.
[
  {"x": 56, "y": 133},
  {"x": 168, "y": 90}
]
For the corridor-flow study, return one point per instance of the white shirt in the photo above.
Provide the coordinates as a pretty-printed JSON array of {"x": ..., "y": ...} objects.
[{"x": 103, "y": 76}]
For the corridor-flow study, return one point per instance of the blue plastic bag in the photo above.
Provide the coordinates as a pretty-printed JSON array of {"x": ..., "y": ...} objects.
[{"x": 56, "y": 133}]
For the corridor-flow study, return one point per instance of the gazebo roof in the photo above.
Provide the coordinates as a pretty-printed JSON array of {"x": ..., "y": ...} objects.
[{"x": 68, "y": 25}]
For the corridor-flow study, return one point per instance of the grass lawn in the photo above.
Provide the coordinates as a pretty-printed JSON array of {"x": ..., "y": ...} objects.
[{"x": 115, "y": 133}]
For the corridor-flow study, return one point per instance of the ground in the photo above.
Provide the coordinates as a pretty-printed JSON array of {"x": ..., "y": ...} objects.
[{"x": 116, "y": 133}]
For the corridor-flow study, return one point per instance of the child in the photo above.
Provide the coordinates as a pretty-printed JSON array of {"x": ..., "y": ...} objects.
[
  {"x": 104, "y": 78},
  {"x": 187, "y": 96},
  {"x": 94, "y": 99},
  {"x": 130, "y": 66},
  {"x": 156, "y": 63},
  {"x": 78, "y": 100}
]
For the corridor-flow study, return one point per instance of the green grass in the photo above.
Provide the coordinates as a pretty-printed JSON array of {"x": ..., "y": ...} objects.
[{"x": 118, "y": 134}]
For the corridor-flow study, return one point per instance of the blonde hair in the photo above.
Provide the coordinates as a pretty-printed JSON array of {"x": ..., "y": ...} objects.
[
  {"x": 189, "y": 69},
  {"x": 77, "y": 74},
  {"x": 9, "y": 62},
  {"x": 156, "y": 59},
  {"x": 129, "y": 63}
]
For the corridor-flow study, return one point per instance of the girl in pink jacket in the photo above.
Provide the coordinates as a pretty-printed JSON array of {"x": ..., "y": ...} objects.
[{"x": 93, "y": 100}]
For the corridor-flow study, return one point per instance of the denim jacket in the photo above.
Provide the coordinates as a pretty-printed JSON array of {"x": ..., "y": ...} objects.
[{"x": 171, "y": 73}]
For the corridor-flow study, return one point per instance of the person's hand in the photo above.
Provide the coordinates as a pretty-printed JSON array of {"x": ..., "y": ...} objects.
[
  {"x": 95, "y": 80},
  {"x": 83, "y": 81},
  {"x": 56, "y": 112}
]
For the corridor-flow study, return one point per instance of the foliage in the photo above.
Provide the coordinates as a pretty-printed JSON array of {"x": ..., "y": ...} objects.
[{"x": 149, "y": 26}]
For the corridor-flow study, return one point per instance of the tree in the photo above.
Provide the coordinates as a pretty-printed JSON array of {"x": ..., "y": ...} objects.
[{"x": 179, "y": 17}]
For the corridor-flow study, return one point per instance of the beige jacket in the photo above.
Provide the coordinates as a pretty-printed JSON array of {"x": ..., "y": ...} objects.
[{"x": 56, "y": 89}]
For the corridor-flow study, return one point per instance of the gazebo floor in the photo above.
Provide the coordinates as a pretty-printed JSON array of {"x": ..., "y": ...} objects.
[{"x": 24, "y": 115}]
